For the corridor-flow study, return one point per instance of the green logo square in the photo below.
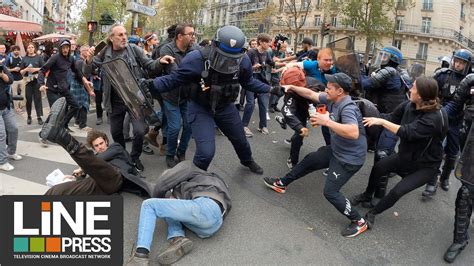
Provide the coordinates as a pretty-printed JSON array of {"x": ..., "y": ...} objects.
[
  {"x": 20, "y": 244},
  {"x": 36, "y": 244}
]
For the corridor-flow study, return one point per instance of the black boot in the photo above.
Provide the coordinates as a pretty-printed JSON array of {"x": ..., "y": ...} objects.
[
  {"x": 448, "y": 167},
  {"x": 370, "y": 218},
  {"x": 360, "y": 198},
  {"x": 54, "y": 131},
  {"x": 253, "y": 166},
  {"x": 453, "y": 251}
]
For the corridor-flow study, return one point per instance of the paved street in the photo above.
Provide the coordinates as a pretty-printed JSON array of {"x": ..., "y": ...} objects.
[{"x": 263, "y": 227}]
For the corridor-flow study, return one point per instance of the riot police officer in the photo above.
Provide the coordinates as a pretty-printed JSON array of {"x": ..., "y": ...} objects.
[
  {"x": 387, "y": 87},
  {"x": 464, "y": 169},
  {"x": 215, "y": 73},
  {"x": 448, "y": 80}
]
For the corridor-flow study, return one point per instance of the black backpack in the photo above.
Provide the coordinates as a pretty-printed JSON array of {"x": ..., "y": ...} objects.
[{"x": 367, "y": 109}]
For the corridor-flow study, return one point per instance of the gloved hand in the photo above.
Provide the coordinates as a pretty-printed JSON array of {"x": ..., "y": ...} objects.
[{"x": 146, "y": 86}]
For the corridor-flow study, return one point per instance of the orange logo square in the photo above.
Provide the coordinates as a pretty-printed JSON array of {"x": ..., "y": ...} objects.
[{"x": 53, "y": 244}]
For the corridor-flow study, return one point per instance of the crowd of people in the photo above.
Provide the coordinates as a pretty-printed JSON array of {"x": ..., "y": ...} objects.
[{"x": 420, "y": 122}]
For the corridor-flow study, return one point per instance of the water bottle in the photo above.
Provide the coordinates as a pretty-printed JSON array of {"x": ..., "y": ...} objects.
[
  {"x": 29, "y": 73},
  {"x": 311, "y": 110}
]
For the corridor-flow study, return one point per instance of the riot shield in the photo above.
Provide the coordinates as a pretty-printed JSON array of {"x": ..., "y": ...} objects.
[
  {"x": 465, "y": 167},
  {"x": 346, "y": 60},
  {"x": 136, "y": 98}
]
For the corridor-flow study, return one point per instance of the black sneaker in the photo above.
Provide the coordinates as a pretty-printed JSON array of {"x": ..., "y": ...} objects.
[
  {"x": 254, "y": 167},
  {"x": 281, "y": 121},
  {"x": 40, "y": 121},
  {"x": 453, "y": 251},
  {"x": 444, "y": 184},
  {"x": 170, "y": 161},
  {"x": 147, "y": 150},
  {"x": 355, "y": 228},
  {"x": 180, "y": 156},
  {"x": 287, "y": 141},
  {"x": 99, "y": 121},
  {"x": 429, "y": 191},
  {"x": 275, "y": 184},
  {"x": 138, "y": 164},
  {"x": 54, "y": 120},
  {"x": 355, "y": 200},
  {"x": 28, "y": 121}
]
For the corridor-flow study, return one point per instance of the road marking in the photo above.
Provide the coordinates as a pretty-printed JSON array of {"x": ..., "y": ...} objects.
[
  {"x": 52, "y": 153},
  {"x": 10, "y": 185}
]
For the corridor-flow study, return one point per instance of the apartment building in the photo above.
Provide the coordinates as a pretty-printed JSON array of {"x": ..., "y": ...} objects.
[{"x": 424, "y": 30}]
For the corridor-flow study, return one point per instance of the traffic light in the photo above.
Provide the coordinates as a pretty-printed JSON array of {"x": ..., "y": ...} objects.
[
  {"x": 325, "y": 29},
  {"x": 91, "y": 26}
]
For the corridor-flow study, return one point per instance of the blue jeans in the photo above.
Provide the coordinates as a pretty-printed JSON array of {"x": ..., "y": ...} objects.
[
  {"x": 174, "y": 115},
  {"x": 8, "y": 128},
  {"x": 203, "y": 123},
  {"x": 250, "y": 104},
  {"x": 201, "y": 215}
]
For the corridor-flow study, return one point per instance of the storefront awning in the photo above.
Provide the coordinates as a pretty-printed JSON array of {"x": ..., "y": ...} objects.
[{"x": 8, "y": 23}]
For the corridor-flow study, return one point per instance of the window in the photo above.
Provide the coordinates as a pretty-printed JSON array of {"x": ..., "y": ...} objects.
[
  {"x": 334, "y": 21},
  {"x": 401, "y": 4},
  {"x": 300, "y": 37},
  {"x": 422, "y": 51},
  {"x": 332, "y": 37},
  {"x": 398, "y": 44},
  {"x": 318, "y": 3},
  {"x": 425, "y": 25},
  {"x": 427, "y": 5},
  {"x": 463, "y": 14},
  {"x": 315, "y": 39},
  {"x": 317, "y": 21},
  {"x": 399, "y": 23},
  {"x": 303, "y": 20},
  {"x": 289, "y": 38}
]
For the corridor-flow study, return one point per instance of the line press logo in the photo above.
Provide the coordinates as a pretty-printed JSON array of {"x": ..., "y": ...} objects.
[{"x": 79, "y": 230}]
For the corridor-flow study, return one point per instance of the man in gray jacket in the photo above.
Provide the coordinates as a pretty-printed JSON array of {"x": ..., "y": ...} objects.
[
  {"x": 198, "y": 200},
  {"x": 139, "y": 63}
]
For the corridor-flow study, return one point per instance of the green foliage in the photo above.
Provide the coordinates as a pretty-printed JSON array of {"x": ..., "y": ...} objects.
[
  {"x": 116, "y": 8},
  {"x": 179, "y": 11}
]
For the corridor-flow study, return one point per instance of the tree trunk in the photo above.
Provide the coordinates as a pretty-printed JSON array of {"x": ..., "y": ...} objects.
[{"x": 368, "y": 42}]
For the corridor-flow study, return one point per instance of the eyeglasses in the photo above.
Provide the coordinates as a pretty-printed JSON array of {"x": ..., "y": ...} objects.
[{"x": 190, "y": 34}]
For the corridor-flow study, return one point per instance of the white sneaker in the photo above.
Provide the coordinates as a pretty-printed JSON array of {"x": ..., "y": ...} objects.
[
  {"x": 6, "y": 167},
  {"x": 264, "y": 130},
  {"x": 15, "y": 157},
  {"x": 43, "y": 142},
  {"x": 268, "y": 117},
  {"x": 248, "y": 133}
]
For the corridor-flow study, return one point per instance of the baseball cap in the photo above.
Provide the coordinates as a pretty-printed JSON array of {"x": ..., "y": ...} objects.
[
  {"x": 64, "y": 42},
  {"x": 340, "y": 79},
  {"x": 308, "y": 40},
  {"x": 293, "y": 76}
]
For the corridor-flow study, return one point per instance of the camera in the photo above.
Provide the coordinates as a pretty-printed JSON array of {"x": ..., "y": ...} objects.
[{"x": 278, "y": 40}]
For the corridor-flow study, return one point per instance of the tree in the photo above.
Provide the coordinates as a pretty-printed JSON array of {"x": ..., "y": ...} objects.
[
  {"x": 371, "y": 18},
  {"x": 180, "y": 11},
  {"x": 260, "y": 19},
  {"x": 116, "y": 8},
  {"x": 297, "y": 11},
  {"x": 397, "y": 8}
]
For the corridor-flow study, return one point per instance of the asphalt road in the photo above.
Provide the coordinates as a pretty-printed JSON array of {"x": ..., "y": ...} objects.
[{"x": 263, "y": 227}]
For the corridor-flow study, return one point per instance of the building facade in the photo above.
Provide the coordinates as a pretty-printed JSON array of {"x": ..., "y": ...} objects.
[{"x": 423, "y": 29}]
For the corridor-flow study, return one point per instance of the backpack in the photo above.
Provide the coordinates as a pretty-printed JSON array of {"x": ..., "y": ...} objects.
[{"x": 367, "y": 109}]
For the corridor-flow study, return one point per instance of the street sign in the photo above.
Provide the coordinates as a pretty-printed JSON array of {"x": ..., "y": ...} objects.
[{"x": 145, "y": 10}]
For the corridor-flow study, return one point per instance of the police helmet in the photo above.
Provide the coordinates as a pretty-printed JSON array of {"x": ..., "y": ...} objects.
[
  {"x": 134, "y": 39},
  {"x": 463, "y": 55},
  {"x": 227, "y": 50},
  {"x": 389, "y": 55}
]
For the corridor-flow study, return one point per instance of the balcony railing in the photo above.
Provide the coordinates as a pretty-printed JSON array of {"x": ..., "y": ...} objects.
[
  {"x": 427, "y": 7},
  {"x": 437, "y": 32}
]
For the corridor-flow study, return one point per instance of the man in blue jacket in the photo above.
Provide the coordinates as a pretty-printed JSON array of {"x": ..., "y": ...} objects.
[{"x": 215, "y": 74}]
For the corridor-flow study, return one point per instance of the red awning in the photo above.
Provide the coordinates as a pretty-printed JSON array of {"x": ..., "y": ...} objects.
[{"x": 8, "y": 23}]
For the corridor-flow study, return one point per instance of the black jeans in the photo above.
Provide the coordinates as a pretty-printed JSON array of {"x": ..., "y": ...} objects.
[
  {"x": 338, "y": 175},
  {"x": 33, "y": 95},
  {"x": 72, "y": 105},
  {"x": 98, "y": 103},
  {"x": 116, "y": 130},
  {"x": 104, "y": 178},
  {"x": 412, "y": 178},
  {"x": 296, "y": 143}
]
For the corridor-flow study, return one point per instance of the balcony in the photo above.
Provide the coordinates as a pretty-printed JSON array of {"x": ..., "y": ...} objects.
[
  {"x": 421, "y": 56},
  {"x": 437, "y": 33},
  {"x": 427, "y": 7}
]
